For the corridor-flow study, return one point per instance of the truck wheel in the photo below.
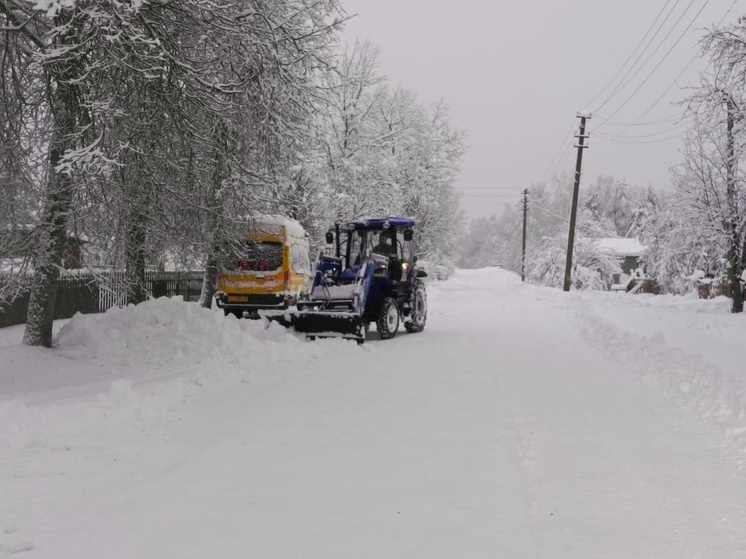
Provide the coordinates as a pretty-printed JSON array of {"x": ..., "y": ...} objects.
[
  {"x": 418, "y": 314},
  {"x": 388, "y": 319},
  {"x": 238, "y": 313}
]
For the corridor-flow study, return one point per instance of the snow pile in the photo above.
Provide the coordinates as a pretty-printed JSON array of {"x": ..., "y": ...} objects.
[
  {"x": 690, "y": 380},
  {"x": 154, "y": 357},
  {"x": 168, "y": 333},
  {"x": 668, "y": 302}
]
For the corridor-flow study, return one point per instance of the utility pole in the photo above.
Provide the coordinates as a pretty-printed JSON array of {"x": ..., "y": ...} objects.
[
  {"x": 575, "y": 191},
  {"x": 734, "y": 261},
  {"x": 523, "y": 250}
]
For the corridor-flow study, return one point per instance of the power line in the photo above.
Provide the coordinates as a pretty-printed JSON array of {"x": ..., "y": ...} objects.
[
  {"x": 665, "y": 56},
  {"x": 673, "y": 118},
  {"x": 621, "y": 85},
  {"x": 566, "y": 155},
  {"x": 556, "y": 155},
  {"x": 679, "y": 125},
  {"x": 612, "y": 139},
  {"x": 639, "y": 44},
  {"x": 688, "y": 64}
]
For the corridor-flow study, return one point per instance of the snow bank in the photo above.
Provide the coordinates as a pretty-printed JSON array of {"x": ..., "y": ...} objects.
[
  {"x": 689, "y": 379},
  {"x": 167, "y": 333},
  {"x": 687, "y": 303},
  {"x": 154, "y": 356}
]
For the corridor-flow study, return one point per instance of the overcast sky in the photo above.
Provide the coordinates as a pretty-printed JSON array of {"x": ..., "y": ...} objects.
[{"x": 515, "y": 73}]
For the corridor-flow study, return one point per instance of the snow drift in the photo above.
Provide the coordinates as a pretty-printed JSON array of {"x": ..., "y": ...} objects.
[{"x": 154, "y": 357}]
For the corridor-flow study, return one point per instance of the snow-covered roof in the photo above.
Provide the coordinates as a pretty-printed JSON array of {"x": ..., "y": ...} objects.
[
  {"x": 272, "y": 222},
  {"x": 621, "y": 246}
]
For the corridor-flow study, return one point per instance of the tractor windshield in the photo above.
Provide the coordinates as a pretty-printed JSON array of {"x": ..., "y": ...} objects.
[
  {"x": 353, "y": 247},
  {"x": 384, "y": 242}
]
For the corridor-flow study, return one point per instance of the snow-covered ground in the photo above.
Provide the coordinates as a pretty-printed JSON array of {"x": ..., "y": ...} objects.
[{"x": 524, "y": 422}]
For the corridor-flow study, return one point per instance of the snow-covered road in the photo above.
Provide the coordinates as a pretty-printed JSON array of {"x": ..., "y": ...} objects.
[{"x": 521, "y": 423}]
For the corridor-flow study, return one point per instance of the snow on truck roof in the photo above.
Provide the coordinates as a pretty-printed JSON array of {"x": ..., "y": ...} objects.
[
  {"x": 380, "y": 222},
  {"x": 272, "y": 223}
]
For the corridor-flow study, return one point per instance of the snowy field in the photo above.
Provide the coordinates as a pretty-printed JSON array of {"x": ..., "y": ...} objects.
[{"x": 524, "y": 422}]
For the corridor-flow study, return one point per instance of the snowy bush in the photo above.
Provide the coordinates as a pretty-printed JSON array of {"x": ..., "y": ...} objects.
[
  {"x": 437, "y": 270},
  {"x": 592, "y": 267}
]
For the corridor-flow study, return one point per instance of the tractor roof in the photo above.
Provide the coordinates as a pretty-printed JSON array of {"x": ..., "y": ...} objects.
[{"x": 376, "y": 223}]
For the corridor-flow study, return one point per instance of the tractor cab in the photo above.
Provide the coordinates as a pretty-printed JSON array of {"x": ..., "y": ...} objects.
[{"x": 388, "y": 247}]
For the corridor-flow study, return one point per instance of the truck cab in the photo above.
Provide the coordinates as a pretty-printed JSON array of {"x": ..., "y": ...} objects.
[{"x": 269, "y": 267}]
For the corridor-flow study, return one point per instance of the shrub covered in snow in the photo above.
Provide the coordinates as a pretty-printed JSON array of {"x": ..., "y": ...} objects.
[
  {"x": 593, "y": 268},
  {"x": 437, "y": 270}
]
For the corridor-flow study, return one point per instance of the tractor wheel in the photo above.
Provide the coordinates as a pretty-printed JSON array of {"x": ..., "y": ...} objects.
[
  {"x": 418, "y": 314},
  {"x": 388, "y": 319}
]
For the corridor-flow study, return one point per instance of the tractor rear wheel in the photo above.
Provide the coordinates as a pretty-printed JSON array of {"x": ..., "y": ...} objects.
[
  {"x": 418, "y": 312},
  {"x": 387, "y": 321}
]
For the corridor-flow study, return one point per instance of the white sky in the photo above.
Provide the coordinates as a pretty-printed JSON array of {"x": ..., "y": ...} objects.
[{"x": 515, "y": 73}]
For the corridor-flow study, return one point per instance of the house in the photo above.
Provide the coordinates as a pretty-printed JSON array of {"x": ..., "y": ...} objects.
[{"x": 628, "y": 251}]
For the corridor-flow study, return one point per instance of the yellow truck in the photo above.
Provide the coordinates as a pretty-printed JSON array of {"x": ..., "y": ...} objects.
[{"x": 271, "y": 268}]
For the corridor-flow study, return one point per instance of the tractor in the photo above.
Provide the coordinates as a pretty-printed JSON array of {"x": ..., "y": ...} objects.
[{"x": 371, "y": 277}]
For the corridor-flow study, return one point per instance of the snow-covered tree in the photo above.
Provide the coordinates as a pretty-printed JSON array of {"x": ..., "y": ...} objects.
[{"x": 703, "y": 226}]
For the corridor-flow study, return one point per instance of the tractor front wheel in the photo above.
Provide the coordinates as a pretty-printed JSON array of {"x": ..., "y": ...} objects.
[
  {"x": 388, "y": 319},
  {"x": 418, "y": 312}
]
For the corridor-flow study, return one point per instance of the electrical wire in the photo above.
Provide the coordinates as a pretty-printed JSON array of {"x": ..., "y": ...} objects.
[
  {"x": 673, "y": 118},
  {"x": 559, "y": 150},
  {"x": 678, "y": 77},
  {"x": 567, "y": 155},
  {"x": 681, "y": 124},
  {"x": 665, "y": 56},
  {"x": 622, "y": 83},
  {"x": 612, "y": 139}
]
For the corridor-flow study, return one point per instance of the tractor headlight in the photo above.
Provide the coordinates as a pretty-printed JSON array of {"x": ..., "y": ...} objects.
[{"x": 404, "y": 268}]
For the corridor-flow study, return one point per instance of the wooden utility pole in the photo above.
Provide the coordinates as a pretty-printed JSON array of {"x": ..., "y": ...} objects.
[
  {"x": 523, "y": 250},
  {"x": 575, "y": 191},
  {"x": 734, "y": 260}
]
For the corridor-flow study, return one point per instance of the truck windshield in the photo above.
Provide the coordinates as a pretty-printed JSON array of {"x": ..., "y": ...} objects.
[{"x": 259, "y": 256}]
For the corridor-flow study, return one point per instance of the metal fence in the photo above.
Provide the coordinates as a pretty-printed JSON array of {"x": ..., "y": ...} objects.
[{"x": 95, "y": 293}]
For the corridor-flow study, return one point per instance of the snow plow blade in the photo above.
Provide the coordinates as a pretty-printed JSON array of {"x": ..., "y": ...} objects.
[{"x": 321, "y": 324}]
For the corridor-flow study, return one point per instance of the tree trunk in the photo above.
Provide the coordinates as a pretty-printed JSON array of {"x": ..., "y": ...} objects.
[
  {"x": 49, "y": 251},
  {"x": 137, "y": 195},
  {"x": 209, "y": 282},
  {"x": 134, "y": 250},
  {"x": 217, "y": 235},
  {"x": 734, "y": 274},
  {"x": 52, "y": 231},
  {"x": 216, "y": 218},
  {"x": 734, "y": 257}
]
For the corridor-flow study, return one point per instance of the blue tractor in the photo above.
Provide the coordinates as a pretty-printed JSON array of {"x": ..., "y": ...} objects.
[{"x": 372, "y": 277}]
